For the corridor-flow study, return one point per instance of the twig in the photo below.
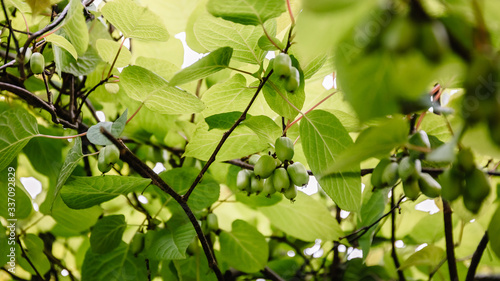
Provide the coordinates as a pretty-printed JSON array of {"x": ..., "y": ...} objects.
[
  {"x": 476, "y": 258},
  {"x": 28, "y": 259},
  {"x": 290, "y": 11},
  {"x": 450, "y": 247},
  {"x": 271, "y": 274},
  {"x": 393, "y": 239}
]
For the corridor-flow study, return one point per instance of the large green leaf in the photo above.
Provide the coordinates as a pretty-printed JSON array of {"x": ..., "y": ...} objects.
[
  {"x": 375, "y": 141},
  {"x": 430, "y": 256},
  {"x": 117, "y": 265},
  {"x": 108, "y": 49},
  {"x": 180, "y": 179},
  {"x": 72, "y": 158},
  {"x": 249, "y": 12},
  {"x": 230, "y": 95},
  {"x": 213, "y": 33},
  {"x": 85, "y": 192},
  {"x": 71, "y": 222},
  {"x": 156, "y": 93},
  {"x": 493, "y": 230},
  {"x": 85, "y": 64},
  {"x": 323, "y": 140},
  {"x": 305, "y": 219},
  {"x": 107, "y": 233},
  {"x": 76, "y": 28},
  {"x": 244, "y": 248},
  {"x": 264, "y": 127},
  {"x": 62, "y": 43},
  {"x": 171, "y": 243},
  {"x": 209, "y": 64},
  {"x": 242, "y": 142},
  {"x": 135, "y": 21},
  {"x": 115, "y": 128},
  {"x": 34, "y": 250},
  {"x": 17, "y": 127}
]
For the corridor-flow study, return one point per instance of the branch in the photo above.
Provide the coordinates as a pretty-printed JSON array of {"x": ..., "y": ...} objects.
[
  {"x": 225, "y": 136},
  {"x": 271, "y": 274},
  {"x": 476, "y": 258},
  {"x": 450, "y": 247},
  {"x": 140, "y": 167},
  {"x": 28, "y": 259},
  {"x": 393, "y": 239}
]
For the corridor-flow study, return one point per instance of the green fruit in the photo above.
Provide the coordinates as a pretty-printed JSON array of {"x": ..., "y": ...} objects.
[
  {"x": 298, "y": 174},
  {"x": 390, "y": 174},
  {"x": 433, "y": 40},
  {"x": 477, "y": 185},
  {"x": 265, "y": 166},
  {"x": 282, "y": 65},
  {"x": 137, "y": 243},
  {"x": 256, "y": 185},
  {"x": 409, "y": 169},
  {"x": 376, "y": 178},
  {"x": 293, "y": 82},
  {"x": 472, "y": 205},
  {"x": 280, "y": 179},
  {"x": 284, "y": 148},
  {"x": 429, "y": 186},
  {"x": 465, "y": 160},
  {"x": 411, "y": 189},
  {"x": 291, "y": 192},
  {"x": 37, "y": 63},
  {"x": 243, "y": 180},
  {"x": 253, "y": 159},
  {"x": 111, "y": 153},
  {"x": 452, "y": 184},
  {"x": 27, "y": 56},
  {"x": 102, "y": 164},
  {"x": 212, "y": 222},
  {"x": 268, "y": 188},
  {"x": 419, "y": 139},
  {"x": 400, "y": 35},
  {"x": 112, "y": 88}
]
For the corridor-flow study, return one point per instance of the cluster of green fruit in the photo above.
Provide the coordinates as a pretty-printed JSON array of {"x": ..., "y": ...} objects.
[
  {"x": 463, "y": 178},
  {"x": 36, "y": 60},
  {"x": 282, "y": 67},
  {"x": 271, "y": 175},
  {"x": 108, "y": 155}
]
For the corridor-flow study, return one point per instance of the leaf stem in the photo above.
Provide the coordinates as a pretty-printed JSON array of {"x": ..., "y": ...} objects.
[
  {"x": 311, "y": 109},
  {"x": 271, "y": 39},
  {"x": 289, "y": 7},
  {"x": 116, "y": 58},
  {"x": 135, "y": 113},
  {"x": 62, "y": 137},
  {"x": 239, "y": 70}
]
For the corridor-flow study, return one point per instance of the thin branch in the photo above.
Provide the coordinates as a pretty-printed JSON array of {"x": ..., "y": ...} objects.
[
  {"x": 28, "y": 260},
  {"x": 225, "y": 136},
  {"x": 393, "y": 239},
  {"x": 88, "y": 93},
  {"x": 450, "y": 247},
  {"x": 476, "y": 258},
  {"x": 116, "y": 58},
  {"x": 271, "y": 274},
  {"x": 145, "y": 171},
  {"x": 290, "y": 11}
]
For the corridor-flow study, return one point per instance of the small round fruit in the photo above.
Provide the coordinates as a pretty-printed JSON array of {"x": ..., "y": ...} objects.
[
  {"x": 212, "y": 222},
  {"x": 253, "y": 159},
  {"x": 291, "y": 192},
  {"x": 409, "y": 169},
  {"x": 37, "y": 63},
  {"x": 112, "y": 88},
  {"x": 411, "y": 189},
  {"x": 281, "y": 65},
  {"x": 111, "y": 153},
  {"x": 293, "y": 82},
  {"x": 376, "y": 178},
  {"x": 390, "y": 174},
  {"x": 137, "y": 243},
  {"x": 419, "y": 139},
  {"x": 103, "y": 165},
  {"x": 284, "y": 148},
  {"x": 268, "y": 188},
  {"x": 243, "y": 180},
  {"x": 429, "y": 186},
  {"x": 472, "y": 205},
  {"x": 256, "y": 185},
  {"x": 265, "y": 166},
  {"x": 465, "y": 160},
  {"x": 27, "y": 56},
  {"x": 281, "y": 181},
  {"x": 298, "y": 174},
  {"x": 452, "y": 184},
  {"x": 477, "y": 185}
]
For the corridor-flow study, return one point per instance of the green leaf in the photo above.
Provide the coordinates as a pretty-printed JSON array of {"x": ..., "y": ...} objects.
[
  {"x": 17, "y": 128},
  {"x": 241, "y": 142},
  {"x": 244, "y": 248},
  {"x": 248, "y": 12},
  {"x": 231, "y": 95},
  {"x": 213, "y": 33},
  {"x": 264, "y": 127},
  {"x": 63, "y": 43},
  {"x": 215, "y": 61},
  {"x": 115, "y": 128},
  {"x": 375, "y": 141},
  {"x": 72, "y": 158},
  {"x": 45, "y": 154},
  {"x": 162, "y": 68},
  {"x": 305, "y": 219},
  {"x": 76, "y": 28},
  {"x": 33, "y": 247},
  {"x": 85, "y": 64},
  {"x": 107, "y": 233},
  {"x": 85, "y": 192},
  {"x": 156, "y": 93},
  {"x": 274, "y": 91},
  {"x": 135, "y": 21},
  {"x": 108, "y": 49},
  {"x": 430, "y": 255},
  {"x": 117, "y": 265},
  {"x": 493, "y": 229},
  {"x": 38, "y": 6},
  {"x": 323, "y": 139},
  {"x": 171, "y": 243},
  {"x": 180, "y": 179},
  {"x": 72, "y": 222},
  {"x": 222, "y": 121}
]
